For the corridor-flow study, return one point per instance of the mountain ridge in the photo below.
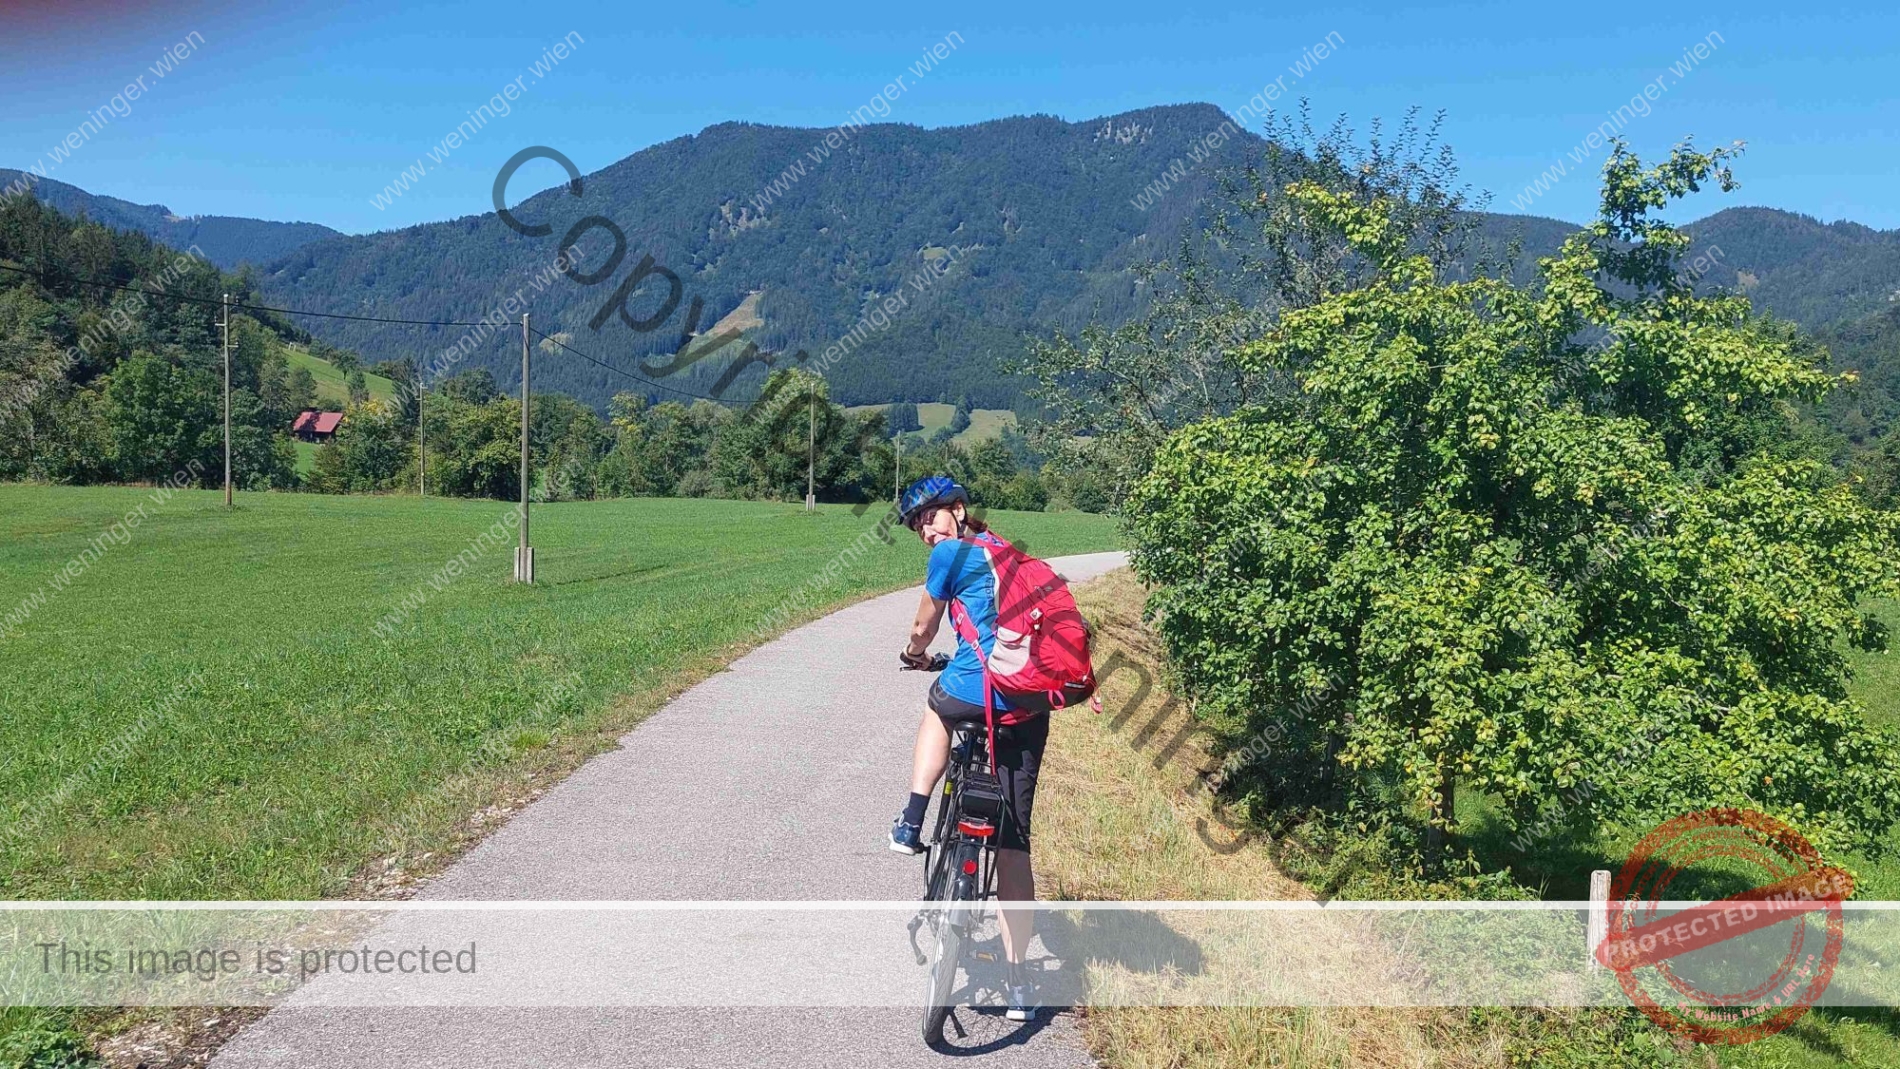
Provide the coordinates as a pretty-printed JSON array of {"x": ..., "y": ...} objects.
[
  {"x": 1044, "y": 222},
  {"x": 225, "y": 240}
]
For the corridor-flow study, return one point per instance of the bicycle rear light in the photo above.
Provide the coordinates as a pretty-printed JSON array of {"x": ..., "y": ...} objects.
[{"x": 982, "y": 829}]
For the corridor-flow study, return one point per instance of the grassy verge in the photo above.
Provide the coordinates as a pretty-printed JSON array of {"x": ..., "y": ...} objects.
[
  {"x": 239, "y": 705},
  {"x": 207, "y": 709},
  {"x": 1112, "y": 823}
]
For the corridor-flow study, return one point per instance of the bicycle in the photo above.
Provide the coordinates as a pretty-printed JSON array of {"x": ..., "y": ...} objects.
[{"x": 959, "y": 868}]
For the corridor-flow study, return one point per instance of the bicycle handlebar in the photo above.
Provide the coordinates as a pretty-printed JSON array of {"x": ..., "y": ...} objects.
[{"x": 935, "y": 663}]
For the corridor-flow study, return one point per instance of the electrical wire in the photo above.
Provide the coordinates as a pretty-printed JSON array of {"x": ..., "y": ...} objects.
[
  {"x": 630, "y": 375},
  {"x": 43, "y": 276}
]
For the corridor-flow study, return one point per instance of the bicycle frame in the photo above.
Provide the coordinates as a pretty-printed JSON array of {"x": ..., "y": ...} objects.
[
  {"x": 959, "y": 874},
  {"x": 954, "y": 845}
]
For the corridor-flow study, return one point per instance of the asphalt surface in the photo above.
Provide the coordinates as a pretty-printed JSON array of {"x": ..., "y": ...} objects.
[{"x": 775, "y": 780}]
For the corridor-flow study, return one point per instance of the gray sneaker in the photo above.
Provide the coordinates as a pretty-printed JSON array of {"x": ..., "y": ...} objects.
[{"x": 1019, "y": 994}]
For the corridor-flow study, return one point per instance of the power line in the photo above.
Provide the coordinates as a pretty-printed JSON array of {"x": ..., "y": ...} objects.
[
  {"x": 631, "y": 376},
  {"x": 44, "y": 276}
]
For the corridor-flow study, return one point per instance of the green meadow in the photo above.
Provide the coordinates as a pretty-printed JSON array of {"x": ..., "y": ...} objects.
[
  {"x": 333, "y": 385},
  {"x": 985, "y": 423},
  {"x": 209, "y": 709}
]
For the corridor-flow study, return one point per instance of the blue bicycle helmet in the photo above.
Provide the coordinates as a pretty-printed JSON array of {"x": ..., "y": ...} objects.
[{"x": 926, "y": 493}]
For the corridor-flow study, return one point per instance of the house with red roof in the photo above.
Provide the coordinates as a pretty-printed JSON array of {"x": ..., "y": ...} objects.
[{"x": 313, "y": 425}]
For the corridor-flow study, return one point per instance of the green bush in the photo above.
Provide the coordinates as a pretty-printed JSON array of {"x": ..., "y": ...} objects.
[{"x": 1541, "y": 541}]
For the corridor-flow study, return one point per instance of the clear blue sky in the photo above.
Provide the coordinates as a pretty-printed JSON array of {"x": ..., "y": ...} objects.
[{"x": 309, "y": 110}]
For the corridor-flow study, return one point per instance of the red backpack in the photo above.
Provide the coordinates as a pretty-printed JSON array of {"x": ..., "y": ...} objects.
[{"x": 1042, "y": 642}]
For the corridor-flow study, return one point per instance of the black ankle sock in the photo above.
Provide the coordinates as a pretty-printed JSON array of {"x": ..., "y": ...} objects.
[{"x": 914, "y": 809}]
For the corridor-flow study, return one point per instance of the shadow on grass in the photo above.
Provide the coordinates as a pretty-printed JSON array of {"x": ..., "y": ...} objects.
[
  {"x": 1816, "y": 1030},
  {"x": 1558, "y": 866}
]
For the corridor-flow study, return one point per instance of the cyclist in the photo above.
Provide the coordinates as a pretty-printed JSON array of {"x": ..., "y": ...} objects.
[{"x": 937, "y": 509}]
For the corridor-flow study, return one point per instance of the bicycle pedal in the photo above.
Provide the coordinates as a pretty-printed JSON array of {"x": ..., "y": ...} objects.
[{"x": 984, "y": 956}]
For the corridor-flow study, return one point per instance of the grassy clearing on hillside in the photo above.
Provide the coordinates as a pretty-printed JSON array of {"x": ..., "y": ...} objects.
[
  {"x": 985, "y": 423},
  {"x": 1110, "y": 825},
  {"x": 333, "y": 386},
  {"x": 208, "y": 711}
]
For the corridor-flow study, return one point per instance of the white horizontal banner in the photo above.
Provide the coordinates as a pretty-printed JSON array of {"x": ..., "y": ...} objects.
[{"x": 861, "y": 954}]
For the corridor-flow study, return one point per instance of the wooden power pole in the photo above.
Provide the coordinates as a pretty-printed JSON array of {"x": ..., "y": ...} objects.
[
  {"x": 422, "y": 453},
  {"x": 897, "y": 472},
  {"x": 227, "y": 400},
  {"x": 524, "y": 551}
]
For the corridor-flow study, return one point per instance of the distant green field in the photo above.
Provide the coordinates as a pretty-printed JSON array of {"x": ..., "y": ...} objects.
[
  {"x": 306, "y": 456},
  {"x": 985, "y": 423},
  {"x": 208, "y": 711},
  {"x": 333, "y": 386}
]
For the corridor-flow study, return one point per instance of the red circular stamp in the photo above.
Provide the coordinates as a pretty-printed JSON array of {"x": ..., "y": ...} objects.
[{"x": 1740, "y": 967}]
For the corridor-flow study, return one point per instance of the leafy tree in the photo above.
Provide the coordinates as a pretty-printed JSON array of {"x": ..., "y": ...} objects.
[
  {"x": 82, "y": 448},
  {"x": 162, "y": 418},
  {"x": 359, "y": 388},
  {"x": 261, "y": 459},
  {"x": 901, "y": 418},
  {"x": 570, "y": 440},
  {"x": 300, "y": 390},
  {"x": 765, "y": 451},
  {"x": 1526, "y": 540},
  {"x": 345, "y": 360},
  {"x": 251, "y": 349},
  {"x": 475, "y": 450},
  {"x": 655, "y": 448},
  {"x": 370, "y": 452},
  {"x": 473, "y": 385},
  {"x": 1883, "y": 473},
  {"x": 960, "y": 418},
  {"x": 273, "y": 391}
]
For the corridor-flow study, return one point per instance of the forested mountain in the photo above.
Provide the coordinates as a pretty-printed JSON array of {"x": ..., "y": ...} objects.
[
  {"x": 1012, "y": 227},
  {"x": 225, "y": 240},
  {"x": 1817, "y": 274},
  {"x": 1030, "y": 221}
]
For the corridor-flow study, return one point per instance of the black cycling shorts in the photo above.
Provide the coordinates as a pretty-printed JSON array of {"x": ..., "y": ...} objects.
[{"x": 1018, "y": 761}]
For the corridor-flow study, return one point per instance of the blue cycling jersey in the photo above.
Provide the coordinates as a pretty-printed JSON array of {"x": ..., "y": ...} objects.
[{"x": 960, "y": 571}]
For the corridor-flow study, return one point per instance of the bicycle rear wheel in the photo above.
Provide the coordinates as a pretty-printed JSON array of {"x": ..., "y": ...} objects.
[{"x": 945, "y": 942}]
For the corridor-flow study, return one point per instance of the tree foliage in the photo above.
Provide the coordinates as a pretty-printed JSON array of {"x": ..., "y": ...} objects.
[
  {"x": 1533, "y": 540},
  {"x": 1113, "y": 394}
]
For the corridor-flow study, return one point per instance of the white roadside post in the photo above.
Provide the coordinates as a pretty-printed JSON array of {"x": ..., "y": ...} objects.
[
  {"x": 524, "y": 552},
  {"x": 227, "y": 400},
  {"x": 1599, "y": 924}
]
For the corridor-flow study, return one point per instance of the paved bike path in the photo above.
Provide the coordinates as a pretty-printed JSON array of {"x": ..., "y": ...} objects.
[{"x": 775, "y": 779}]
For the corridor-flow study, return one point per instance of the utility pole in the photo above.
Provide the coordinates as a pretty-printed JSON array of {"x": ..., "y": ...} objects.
[
  {"x": 897, "y": 472},
  {"x": 227, "y": 400},
  {"x": 422, "y": 455},
  {"x": 811, "y": 455},
  {"x": 524, "y": 552}
]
